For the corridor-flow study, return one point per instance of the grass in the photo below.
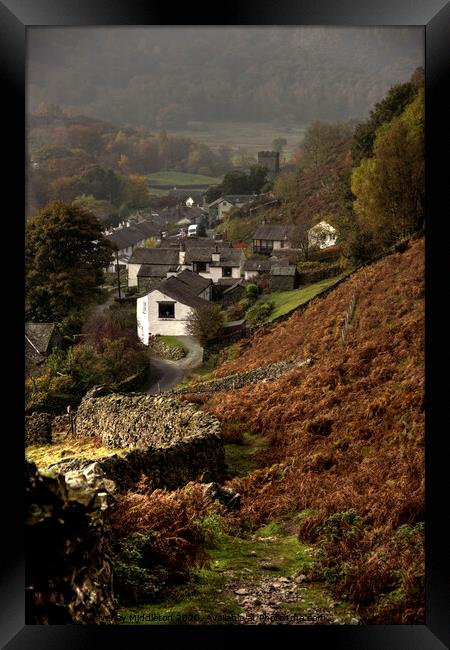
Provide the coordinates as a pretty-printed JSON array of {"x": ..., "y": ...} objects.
[
  {"x": 45, "y": 455},
  {"x": 206, "y": 599},
  {"x": 202, "y": 601},
  {"x": 173, "y": 342},
  {"x": 253, "y": 136},
  {"x": 285, "y": 301},
  {"x": 178, "y": 179},
  {"x": 240, "y": 458},
  {"x": 202, "y": 373}
]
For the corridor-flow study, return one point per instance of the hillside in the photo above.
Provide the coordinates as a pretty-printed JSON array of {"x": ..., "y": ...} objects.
[
  {"x": 183, "y": 77},
  {"x": 345, "y": 435}
]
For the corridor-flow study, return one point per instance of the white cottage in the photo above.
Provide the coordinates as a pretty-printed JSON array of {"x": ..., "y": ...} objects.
[
  {"x": 165, "y": 310},
  {"x": 322, "y": 235}
]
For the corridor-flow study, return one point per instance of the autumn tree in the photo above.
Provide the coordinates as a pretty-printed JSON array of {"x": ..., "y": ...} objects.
[
  {"x": 395, "y": 102},
  {"x": 285, "y": 187},
  {"x": 101, "y": 183},
  {"x": 137, "y": 194},
  {"x": 319, "y": 141},
  {"x": 205, "y": 322},
  {"x": 65, "y": 254},
  {"x": 390, "y": 186}
]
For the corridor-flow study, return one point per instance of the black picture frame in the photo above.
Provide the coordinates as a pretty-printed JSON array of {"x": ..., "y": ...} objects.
[{"x": 15, "y": 17}]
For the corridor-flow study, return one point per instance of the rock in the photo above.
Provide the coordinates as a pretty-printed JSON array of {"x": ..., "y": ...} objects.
[
  {"x": 354, "y": 621},
  {"x": 299, "y": 579},
  {"x": 241, "y": 592},
  {"x": 269, "y": 566},
  {"x": 227, "y": 496}
]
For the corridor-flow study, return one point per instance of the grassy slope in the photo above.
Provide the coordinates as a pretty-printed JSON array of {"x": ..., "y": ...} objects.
[
  {"x": 348, "y": 431},
  {"x": 44, "y": 455},
  {"x": 286, "y": 301}
]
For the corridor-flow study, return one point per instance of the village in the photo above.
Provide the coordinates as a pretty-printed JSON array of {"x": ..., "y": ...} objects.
[
  {"x": 224, "y": 329},
  {"x": 176, "y": 262},
  {"x": 184, "y": 271}
]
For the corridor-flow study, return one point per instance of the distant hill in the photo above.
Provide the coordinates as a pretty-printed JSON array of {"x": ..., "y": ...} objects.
[{"x": 176, "y": 77}]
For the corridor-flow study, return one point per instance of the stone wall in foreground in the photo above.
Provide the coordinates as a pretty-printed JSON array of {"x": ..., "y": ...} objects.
[
  {"x": 168, "y": 441},
  {"x": 68, "y": 560}
]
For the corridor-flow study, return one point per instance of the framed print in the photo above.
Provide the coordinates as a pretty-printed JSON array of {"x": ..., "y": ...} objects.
[{"x": 232, "y": 407}]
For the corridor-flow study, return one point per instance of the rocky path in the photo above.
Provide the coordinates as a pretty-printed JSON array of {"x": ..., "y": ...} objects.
[{"x": 284, "y": 599}]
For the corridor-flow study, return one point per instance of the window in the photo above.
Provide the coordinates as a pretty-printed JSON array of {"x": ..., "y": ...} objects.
[
  {"x": 200, "y": 267},
  {"x": 227, "y": 272},
  {"x": 166, "y": 310},
  {"x": 144, "y": 307}
]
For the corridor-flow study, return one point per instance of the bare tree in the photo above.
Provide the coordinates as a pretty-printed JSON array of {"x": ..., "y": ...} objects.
[{"x": 205, "y": 322}]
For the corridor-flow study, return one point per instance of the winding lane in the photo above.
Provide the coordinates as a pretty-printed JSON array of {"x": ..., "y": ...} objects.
[{"x": 166, "y": 374}]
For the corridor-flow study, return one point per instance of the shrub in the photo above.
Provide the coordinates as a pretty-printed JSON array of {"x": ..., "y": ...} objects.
[
  {"x": 139, "y": 575},
  {"x": 251, "y": 290},
  {"x": 162, "y": 532},
  {"x": 259, "y": 313}
]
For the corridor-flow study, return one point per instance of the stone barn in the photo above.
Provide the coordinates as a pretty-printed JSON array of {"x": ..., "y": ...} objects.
[{"x": 284, "y": 278}]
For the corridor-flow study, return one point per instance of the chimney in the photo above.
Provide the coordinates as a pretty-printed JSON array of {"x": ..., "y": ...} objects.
[
  {"x": 182, "y": 253},
  {"x": 215, "y": 257}
]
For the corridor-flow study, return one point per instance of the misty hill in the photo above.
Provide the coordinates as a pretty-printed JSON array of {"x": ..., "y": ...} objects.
[{"x": 177, "y": 77}]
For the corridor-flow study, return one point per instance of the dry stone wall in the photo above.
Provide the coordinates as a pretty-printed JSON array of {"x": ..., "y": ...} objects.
[
  {"x": 69, "y": 565},
  {"x": 38, "y": 428},
  {"x": 168, "y": 441},
  {"x": 240, "y": 379}
]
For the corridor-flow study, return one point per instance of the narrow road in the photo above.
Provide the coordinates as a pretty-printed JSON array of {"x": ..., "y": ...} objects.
[
  {"x": 166, "y": 374},
  {"x": 112, "y": 294}
]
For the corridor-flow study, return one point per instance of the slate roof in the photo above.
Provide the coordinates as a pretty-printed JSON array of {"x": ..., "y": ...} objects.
[
  {"x": 283, "y": 270},
  {"x": 134, "y": 234},
  {"x": 258, "y": 265},
  {"x": 179, "y": 291},
  {"x": 205, "y": 243},
  {"x": 38, "y": 337},
  {"x": 229, "y": 257},
  {"x": 158, "y": 256},
  {"x": 147, "y": 229},
  {"x": 196, "y": 283},
  {"x": 240, "y": 198},
  {"x": 40, "y": 334},
  {"x": 233, "y": 286},
  {"x": 274, "y": 232},
  {"x": 154, "y": 270},
  {"x": 126, "y": 237}
]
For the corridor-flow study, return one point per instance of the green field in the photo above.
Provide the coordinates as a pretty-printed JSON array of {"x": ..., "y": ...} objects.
[
  {"x": 252, "y": 136},
  {"x": 285, "y": 301},
  {"x": 178, "y": 179}
]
